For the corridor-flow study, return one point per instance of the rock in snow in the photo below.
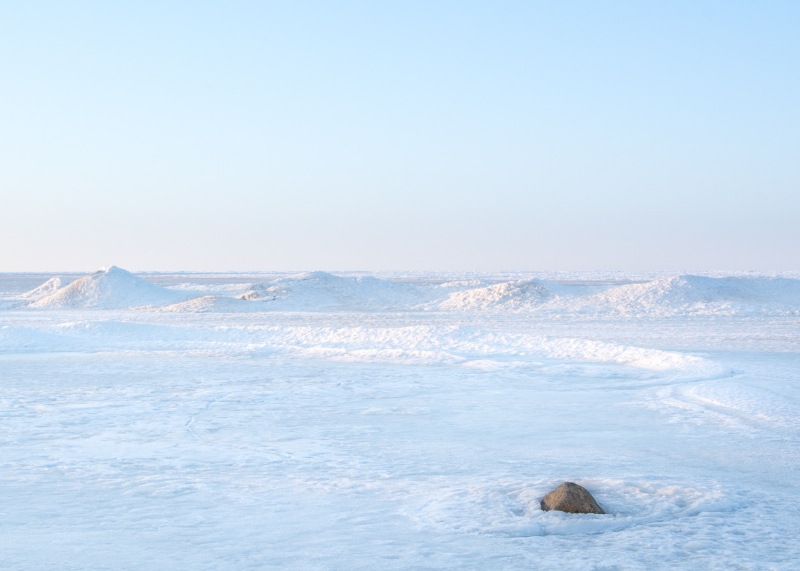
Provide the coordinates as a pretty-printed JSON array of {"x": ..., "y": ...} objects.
[{"x": 571, "y": 498}]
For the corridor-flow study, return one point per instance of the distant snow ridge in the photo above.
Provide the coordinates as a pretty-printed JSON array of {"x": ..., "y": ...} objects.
[
  {"x": 107, "y": 288},
  {"x": 43, "y": 290},
  {"x": 668, "y": 296},
  {"x": 114, "y": 288},
  {"x": 517, "y": 295},
  {"x": 323, "y": 291},
  {"x": 698, "y": 295}
]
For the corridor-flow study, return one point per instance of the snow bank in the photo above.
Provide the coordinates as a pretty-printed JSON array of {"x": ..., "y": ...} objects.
[
  {"x": 323, "y": 291},
  {"x": 107, "y": 288},
  {"x": 699, "y": 295},
  {"x": 668, "y": 296},
  {"x": 212, "y": 304},
  {"x": 509, "y": 295}
]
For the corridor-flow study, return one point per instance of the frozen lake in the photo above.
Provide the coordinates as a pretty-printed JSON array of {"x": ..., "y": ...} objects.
[{"x": 403, "y": 421}]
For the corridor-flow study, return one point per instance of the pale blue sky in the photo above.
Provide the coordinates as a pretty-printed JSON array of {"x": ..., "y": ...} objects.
[{"x": 413, "y": 135}]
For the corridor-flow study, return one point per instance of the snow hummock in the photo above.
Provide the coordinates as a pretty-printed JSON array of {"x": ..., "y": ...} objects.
[
  {"x": 211, "y": 304},
  {"x": 107, "y": 288},
  {"x": 689, "y": 294},
  {"x": 525, "y": 294},
  {"x": 310, "y": 291},
  {"x": 673, "y": 295}
]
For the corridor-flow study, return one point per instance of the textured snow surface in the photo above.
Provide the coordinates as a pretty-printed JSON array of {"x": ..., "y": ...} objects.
[{"x": 319, "y": 421}]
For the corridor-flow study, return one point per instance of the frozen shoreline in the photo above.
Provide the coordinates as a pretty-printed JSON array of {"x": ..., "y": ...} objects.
[{"x": 318, "y": 439}]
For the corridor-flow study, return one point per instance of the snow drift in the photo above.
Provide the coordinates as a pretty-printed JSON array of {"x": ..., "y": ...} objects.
[
  {"x": 525, "y": 294},
  {"x": 698, "y": 295},
  {"x": 212, "y": 304},
  {"x": 668, "y": 296},
  {"x": 323, "y": 291},
  {"x": 107, "y": 288}
]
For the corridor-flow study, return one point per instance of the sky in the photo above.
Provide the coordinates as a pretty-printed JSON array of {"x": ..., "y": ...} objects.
[{"x": 400, "y": 135}]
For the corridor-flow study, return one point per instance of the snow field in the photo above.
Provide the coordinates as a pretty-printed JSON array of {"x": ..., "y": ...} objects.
[{"x": 346, "y": 437}]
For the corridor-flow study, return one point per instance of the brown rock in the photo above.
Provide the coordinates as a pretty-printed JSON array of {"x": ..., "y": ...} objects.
[{"x": 571, "y": 498}]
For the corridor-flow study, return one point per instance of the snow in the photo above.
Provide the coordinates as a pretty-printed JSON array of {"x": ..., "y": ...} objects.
[
  {"x": 107, "y": 288},
  {"x": 510, "y": 295},
  {"x": 404, "y": 421},
  {"x": 114, "y": 288},
  {"x": 672, "y": 295},
  {"x": 211, "y": 303},
  {"x": 47, "y": 288},
  {"x": 702, "y": 295},
  {"x": 313, "y": 291}
]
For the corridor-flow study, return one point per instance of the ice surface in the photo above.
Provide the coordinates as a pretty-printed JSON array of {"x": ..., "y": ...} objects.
[{"x": 321, "y": 421}]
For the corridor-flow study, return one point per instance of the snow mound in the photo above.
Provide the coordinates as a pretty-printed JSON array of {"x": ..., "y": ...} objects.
[
  {"x": 516, "y": 295},
  {"x": 323, "y": 291},
  {"x": 211, "y": 304},
  {"x": 667, "y": 296},
  {"x": 699, "y": 295},
  {"x": 48, "y": 287},
  {"x": 108, "y": 288}
]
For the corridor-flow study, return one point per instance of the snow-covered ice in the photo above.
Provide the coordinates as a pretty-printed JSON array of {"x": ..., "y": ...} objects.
[{"x": 398, "y": 421}]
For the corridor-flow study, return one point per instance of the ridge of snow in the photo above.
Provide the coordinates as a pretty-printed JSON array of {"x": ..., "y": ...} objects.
[
  {"x": 523, "y": 294},
  {"x": 320, "y": 290},
  {"x": 114, "y": 288},
  {"x": 212, "y": 304},
  {"x": 667, "y": 296},
  {"x": 689, "y": 294}
]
